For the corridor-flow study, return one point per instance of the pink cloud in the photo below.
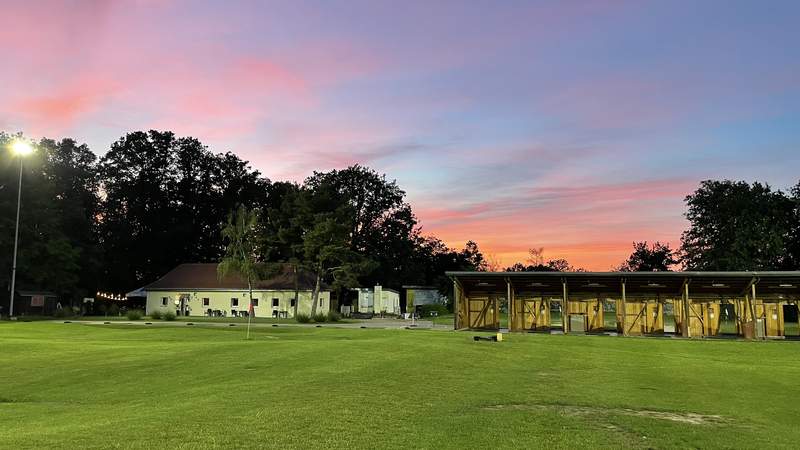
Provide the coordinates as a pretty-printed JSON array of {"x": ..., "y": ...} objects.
[{"x": 56, "y": 110}]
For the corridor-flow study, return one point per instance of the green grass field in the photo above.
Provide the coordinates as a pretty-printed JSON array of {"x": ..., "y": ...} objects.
[{"x": 131, "y": 386}]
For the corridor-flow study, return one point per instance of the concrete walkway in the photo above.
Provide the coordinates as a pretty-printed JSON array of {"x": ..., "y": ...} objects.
[{"x": 369, "y": 323}]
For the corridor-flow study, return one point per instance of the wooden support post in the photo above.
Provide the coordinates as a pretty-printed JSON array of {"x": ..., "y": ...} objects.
[
  {"x": 753, "y": 312},
  {"x": 496, "y": 319},
  {"x": 456, "y": 304},
  {"x": 685, "y": 329},
  {"x": 624, "y": 311},
  {"x": 510, "y": 306},
  {"x": 564, "y": 307}
]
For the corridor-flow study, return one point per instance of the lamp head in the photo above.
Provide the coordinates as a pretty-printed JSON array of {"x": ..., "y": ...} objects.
[{"x": 21, "y": 147}]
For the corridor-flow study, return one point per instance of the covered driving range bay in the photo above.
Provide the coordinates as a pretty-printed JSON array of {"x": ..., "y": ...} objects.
[{"x": 753, "y": 305}]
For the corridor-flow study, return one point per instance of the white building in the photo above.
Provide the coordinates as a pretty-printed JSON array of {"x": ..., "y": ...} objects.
[{"x": 197, "y": 290}]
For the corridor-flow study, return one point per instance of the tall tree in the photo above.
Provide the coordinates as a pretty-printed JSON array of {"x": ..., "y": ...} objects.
[
  {"x": 240, "y": 235},
  {"x": 654, "y": 258},
  {"x": 327, "y": 253},
  {"x": 56, "y": 241},
  {"x": 381, "y": 224},
  {"x": 165, "y": 200},
  {"x": 793, "y": 250},
  {"x": 734, "y": 225}
]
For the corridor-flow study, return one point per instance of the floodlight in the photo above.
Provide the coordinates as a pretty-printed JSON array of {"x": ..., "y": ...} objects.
[{"x": 21, "y": 147}]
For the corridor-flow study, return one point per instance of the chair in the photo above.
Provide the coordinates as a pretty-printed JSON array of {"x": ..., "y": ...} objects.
[{"x": 233, "y": 313}]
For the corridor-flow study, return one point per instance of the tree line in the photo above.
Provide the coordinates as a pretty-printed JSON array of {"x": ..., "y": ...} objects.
[{"x": 155, "y": 200}]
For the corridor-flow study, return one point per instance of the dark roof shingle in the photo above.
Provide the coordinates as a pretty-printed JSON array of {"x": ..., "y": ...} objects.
[{"x": 204, "y": 276}]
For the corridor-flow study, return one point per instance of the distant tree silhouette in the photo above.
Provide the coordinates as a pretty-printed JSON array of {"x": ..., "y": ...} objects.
[{"x": 655, "y": 258}]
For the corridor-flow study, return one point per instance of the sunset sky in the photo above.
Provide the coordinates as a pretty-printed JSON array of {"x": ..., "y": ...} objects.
[{"x": 574, "y": 126}]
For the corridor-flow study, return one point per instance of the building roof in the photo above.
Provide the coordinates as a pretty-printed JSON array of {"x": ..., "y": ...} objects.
[
  {"x": 32, "y": 293},
  {"x": 136, "y": 293},
  {"x": 204, "y": 276},
  {"x": 637, "y": 283}
]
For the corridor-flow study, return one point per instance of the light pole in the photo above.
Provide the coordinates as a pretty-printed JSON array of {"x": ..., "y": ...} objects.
[{"x": 20, "y": 148}]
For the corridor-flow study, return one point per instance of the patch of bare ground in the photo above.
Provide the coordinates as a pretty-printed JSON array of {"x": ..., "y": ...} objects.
[{"x": 570, "y": 410}]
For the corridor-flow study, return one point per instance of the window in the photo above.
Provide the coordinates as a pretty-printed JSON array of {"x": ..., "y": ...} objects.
[
  {"x": 292, "y": 303},
  {"x": 234, "y": 302},
  {"x": 320, "y": 301},
  {"x": 276, "y": 302},
  {"x": 206, "y": 302},
  {"x": 164, "y": 301},
  {"x": 255, "y": 302}
]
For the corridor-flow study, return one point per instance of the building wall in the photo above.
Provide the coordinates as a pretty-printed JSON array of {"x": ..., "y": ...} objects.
[
  {"x": 365, "y": 300},
  {"x": 378, "y": 300},
  {"x": 529, "y": 313},
  {"x": 389, "y": 302},
  {"x": 221, "y": 300}
]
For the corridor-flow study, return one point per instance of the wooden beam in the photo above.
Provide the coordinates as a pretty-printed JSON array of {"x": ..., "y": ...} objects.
[
  {"x": 624, "y": 311},
  {"x": 685, "y": 329},
  {"x": 746, "y": 290},
  {"x": 457, "y": 303},
  {"x": 481, "y": 314},
  {"x": 564, "y": 307},
  {"x": 753, "y": 311},
  {"x": 511, "y": 308}
]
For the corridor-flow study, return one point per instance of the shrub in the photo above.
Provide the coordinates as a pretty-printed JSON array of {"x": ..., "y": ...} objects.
[
  {"x": 334, "y": 316},
  {"x": 113, "y": 310},
  {"x": 156, "y": 315},
  {"x": 425, "y": 310},
  {"x": 302, "y": 318},
  {"x": 63, "y": 312},
  {"x": 168, "y": 316},
  {"x": 134, "y": 314},
  {"x": 320, "y": 317}
]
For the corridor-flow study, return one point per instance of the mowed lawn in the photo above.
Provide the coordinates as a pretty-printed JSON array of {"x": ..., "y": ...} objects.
[{"x": 132, "y": 386}]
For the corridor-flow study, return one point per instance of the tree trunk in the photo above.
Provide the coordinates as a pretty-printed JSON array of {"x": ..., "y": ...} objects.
[
  {"x": 315, "y": 295},
  {"x": 250, "y": 293}
]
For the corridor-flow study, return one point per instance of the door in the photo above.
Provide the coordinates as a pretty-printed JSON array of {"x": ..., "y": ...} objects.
[{"x": 183, "y": 307}]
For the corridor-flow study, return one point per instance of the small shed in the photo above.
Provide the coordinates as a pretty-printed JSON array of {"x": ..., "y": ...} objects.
[
  {"x": 378, "y": 300},
  {"x": 35, "y": 303}
]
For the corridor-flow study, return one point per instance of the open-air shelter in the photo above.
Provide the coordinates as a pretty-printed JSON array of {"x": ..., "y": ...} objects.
[{"x": 690, "y": 304}]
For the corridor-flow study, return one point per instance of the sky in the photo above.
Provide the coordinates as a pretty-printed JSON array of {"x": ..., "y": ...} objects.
[{"x": 574, "y": 126}]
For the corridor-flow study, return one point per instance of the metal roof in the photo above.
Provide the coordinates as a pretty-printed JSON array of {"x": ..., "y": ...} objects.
[
  {"x": 666, "y": 274},
  {"x": 710, "y": 284}
]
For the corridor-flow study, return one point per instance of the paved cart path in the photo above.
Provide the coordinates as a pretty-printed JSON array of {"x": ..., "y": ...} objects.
[{"x": 381, "y": 324}]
